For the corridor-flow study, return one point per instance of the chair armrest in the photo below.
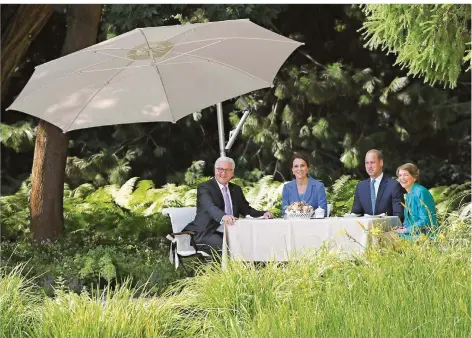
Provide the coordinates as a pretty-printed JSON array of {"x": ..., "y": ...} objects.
[{"x": 191, "y": 233}]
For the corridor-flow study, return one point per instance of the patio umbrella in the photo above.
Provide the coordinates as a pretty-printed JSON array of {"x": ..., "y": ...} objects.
[{"x": 154, "y": 74}]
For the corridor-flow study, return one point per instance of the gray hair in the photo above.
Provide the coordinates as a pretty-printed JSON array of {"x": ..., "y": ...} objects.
[
  {"x": 225, "y": 159},
  {"x": 376, "y": 152}
]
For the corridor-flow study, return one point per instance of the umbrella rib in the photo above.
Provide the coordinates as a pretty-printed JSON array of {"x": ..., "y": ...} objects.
[
  {"x": 181, "y": 63},
  {"x": 158, "y": 74},
  {"x": 170, "y": 50},
  {"x": 240, "y": 38},
  {"x": 106, "y": 54},
  {"x": 64, "y": 76},
  {"x": 107, "y": 69},
  {"x": 186, "y": 53},
  {"x": 221, "y": 63},
  {"x": 204, "y": 40},
  {"x": 149, "y": 65},
  {"x": 93, "y": 96}
]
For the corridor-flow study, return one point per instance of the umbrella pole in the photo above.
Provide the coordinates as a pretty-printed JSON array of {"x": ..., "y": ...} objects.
[{"x": 221, "y": 128}]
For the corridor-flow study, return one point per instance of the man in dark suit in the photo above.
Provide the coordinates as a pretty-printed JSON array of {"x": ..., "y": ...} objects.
[
  {"x": 218, "y": 203},
  {"x": 379, "y": 193}
]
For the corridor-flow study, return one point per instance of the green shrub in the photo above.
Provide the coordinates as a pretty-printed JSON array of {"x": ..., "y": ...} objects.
[
  {"x": 84, "y": 265},
  {"x": 341, "y": 195}
]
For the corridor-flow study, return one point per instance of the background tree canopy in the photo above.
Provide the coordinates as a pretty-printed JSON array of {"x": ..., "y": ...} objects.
[
  {"x": 432, "y": 41},
  {"x": 333, "y": 99}
]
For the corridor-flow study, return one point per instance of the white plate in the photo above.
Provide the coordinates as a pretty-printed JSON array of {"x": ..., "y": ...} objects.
[{"x": 350, "y": 215}]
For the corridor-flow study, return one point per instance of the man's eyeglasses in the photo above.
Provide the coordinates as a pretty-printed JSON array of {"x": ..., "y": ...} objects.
[{"x": 221, "y": 170}]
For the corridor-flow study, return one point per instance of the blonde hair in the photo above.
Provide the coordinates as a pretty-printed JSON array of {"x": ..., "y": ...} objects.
[{"x": 411, "y": 168}]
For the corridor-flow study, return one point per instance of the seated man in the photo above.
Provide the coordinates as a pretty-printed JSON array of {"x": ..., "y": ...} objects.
[
  {"x": 379, "y": 193},
  {"x": 219, "y": 202}
]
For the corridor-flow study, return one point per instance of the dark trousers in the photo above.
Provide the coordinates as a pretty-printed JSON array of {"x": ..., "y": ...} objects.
[{"x": 214, "y": 240}]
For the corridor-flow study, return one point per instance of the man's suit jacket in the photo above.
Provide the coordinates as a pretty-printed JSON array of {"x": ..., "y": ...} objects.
[
  {"x": 388, "y": 200},
  {"x": 211, "y": 206},
  {"x": 315, "y": 194}
]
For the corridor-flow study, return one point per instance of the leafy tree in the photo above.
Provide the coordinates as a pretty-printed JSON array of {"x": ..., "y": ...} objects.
[
  {"x": 333, "y": 99},
  {"x": 18, "y": 136},
  {"x": 336, "y": 113},
  {"x": 18, "y": 31},
  {"x": 432, "y": 41},
  {"x": 51, "y": 144}
]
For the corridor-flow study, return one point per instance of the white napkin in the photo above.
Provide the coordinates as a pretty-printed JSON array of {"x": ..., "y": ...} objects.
[
  {"x": 350, "y": 215},
  {"x": 381, "y": 215}
]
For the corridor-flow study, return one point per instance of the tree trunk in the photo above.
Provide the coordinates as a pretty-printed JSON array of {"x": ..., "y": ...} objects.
[
  {"x": 20, "y": 26},
  {"x": 50, "y": 155}
]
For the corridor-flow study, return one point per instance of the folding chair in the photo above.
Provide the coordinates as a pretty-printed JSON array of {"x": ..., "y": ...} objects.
[{"x": 182, "y": 243}]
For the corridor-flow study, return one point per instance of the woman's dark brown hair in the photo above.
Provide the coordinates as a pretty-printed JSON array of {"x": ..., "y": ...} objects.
[{"x": 302, "y": 157}]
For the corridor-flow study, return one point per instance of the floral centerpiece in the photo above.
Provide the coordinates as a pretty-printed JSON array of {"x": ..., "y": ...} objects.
[{"x": 299, "y": 210}]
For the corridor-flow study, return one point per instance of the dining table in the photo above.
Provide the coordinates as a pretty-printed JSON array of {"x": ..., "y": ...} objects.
[{"x": 262, "y": 240}]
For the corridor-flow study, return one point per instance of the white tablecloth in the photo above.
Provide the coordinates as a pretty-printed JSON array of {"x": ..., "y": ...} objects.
[{"x": 279, "y": 239}]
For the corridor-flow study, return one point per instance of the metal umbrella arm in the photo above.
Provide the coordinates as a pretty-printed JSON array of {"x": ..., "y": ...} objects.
[{"x": 233, "y": 133}]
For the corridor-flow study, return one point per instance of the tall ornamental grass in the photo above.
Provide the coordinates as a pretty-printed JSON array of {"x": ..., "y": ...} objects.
[
  {"x": 109, "y": 313},
  {"x": 420, "y": 291},
  {"x": 19, "y": 300}
]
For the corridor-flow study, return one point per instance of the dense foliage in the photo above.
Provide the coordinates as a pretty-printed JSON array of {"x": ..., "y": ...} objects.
[
  {"x": 432, "y": 41},
  {"x": 332, "y": 99}
]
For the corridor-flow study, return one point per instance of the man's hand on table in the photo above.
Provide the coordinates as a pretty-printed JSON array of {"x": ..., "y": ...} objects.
[
  {"x": 228, "y": 219},
  {"x": 267, "y": 215}
]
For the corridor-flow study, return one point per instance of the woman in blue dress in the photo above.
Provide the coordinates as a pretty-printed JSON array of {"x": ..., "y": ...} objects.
[
  {"x": 303, "y": 188},
  {"x": 420, "y": 209}
]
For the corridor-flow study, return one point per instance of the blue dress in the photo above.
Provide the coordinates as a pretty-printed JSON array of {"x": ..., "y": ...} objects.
[
  {"x": 315, "y": 194},
  {"x": 301, "y": 197},
  {"x": 420, "y": 212}
]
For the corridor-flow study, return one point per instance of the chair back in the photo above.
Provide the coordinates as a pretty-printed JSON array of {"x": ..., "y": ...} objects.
[{"x": 180, "y": 217}]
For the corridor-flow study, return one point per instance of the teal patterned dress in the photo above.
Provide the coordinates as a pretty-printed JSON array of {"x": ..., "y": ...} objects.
[{"x": 420, "y": 212}]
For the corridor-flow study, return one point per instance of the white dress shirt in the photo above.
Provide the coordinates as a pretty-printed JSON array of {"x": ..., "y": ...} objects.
[{"x": 377, "y": 184}]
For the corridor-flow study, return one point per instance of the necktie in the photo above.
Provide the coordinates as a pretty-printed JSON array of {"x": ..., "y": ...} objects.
[
  {"x": 372, "y": 195},
  {"x": 228, "y": 209}
]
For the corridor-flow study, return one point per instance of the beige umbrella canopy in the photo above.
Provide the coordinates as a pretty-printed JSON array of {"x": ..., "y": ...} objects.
[{"x": 154, "y": 74}]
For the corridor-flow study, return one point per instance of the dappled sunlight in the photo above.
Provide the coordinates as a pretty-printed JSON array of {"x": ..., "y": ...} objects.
[
  {"x": 41, "y": 74},
  {"x": 71, "y": 101},
  {"x": 156, "y": 111},
  {"x": 105, "y": 103},
  {"x": 81, "y": 121}
]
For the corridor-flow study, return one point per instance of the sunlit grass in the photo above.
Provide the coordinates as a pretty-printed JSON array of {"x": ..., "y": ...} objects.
[
  {"x": 108, "y": 313},
  {"x": 19, "y": 301},
  {"x": 420, "y": 289},
  {"x": 418, "y": 292}
]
